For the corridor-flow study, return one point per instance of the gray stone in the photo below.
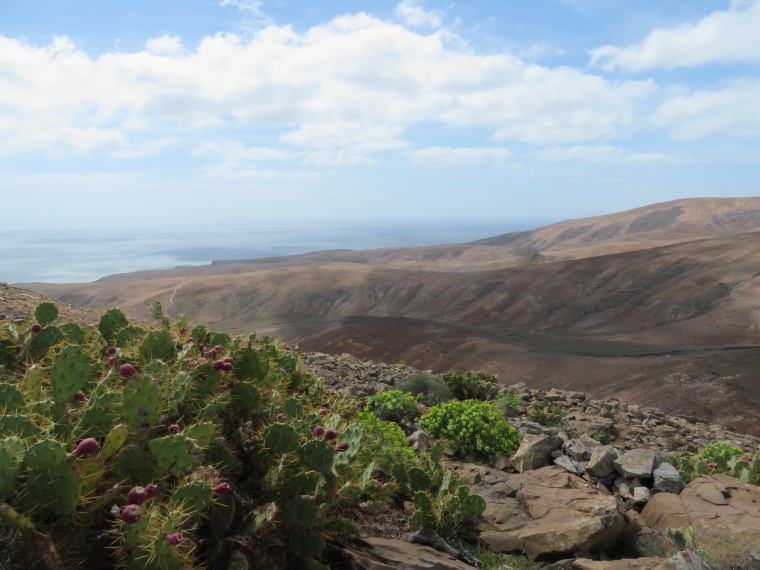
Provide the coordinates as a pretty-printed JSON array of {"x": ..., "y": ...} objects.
[
  {"x": 601, "y": 463},
  {"x": 419, "y": 441},
  {"x": 641, "y": 495},
  {"x": 667, "y": 478},
  {"x": 636, "y": 463},
  {"x": 576, "y": 468},
  {"x": 581, "y": 448},
  {"x": 535, "y": 451}
]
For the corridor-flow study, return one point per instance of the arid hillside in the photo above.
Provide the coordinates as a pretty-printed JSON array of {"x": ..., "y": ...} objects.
[{"x": 669, "y": 319}]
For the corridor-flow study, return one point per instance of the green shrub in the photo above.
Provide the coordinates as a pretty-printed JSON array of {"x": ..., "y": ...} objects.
[
  {"x": 718, "y": 458},
  {"x": 509, "y": 399},
  {"x": 383, "y": 442},
  {"x": 546, "y": 415},
  {"x": 392, "y": 406},
  {"x": 428, "y": 388},
  {"x": 473, "y": 427},
  {"x": 471, "y": 385},
  {"x": 602, "y": 437}
]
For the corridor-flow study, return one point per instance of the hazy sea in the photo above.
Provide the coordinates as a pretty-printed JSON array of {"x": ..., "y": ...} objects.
[{"x": 86, "y": 254}]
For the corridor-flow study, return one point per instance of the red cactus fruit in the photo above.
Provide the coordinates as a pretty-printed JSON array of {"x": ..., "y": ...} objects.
[
  {"x": 192, "y": 364},
  {"x": 190, "y": 340},
  {"x": 319, "y": 432},
  {"x": 112, "y": 361},
  {"x": 217, "y": 365},
  {"x": 173, "y": 429},
  {"x": 202, "y": 360},
  {"x": 131, "y": 514},
  {"x": 322, "y": 412},
  {"x": 202, "y": 349},
  {"x": 182, "y": 331},
  {"x": 80, "y": 397},
  {"x": 218, "y": 349},
  {"x": 227, "y": 367},
  {"x": 203, "y": 376},
  {"x": 282, "y": 418},
  {"x": 325, "y": 404},
  {"x": 86, "y": 447},
  {"x": 221, "y": 489},
  {"x": 151, "y": 490},
  {"x": 127, "y": 370},
  {"x": 174, "y": 539},
  {"x": 36, "y": 327},
  {"x": 228, "y": 359},
  {"x": 231, "y": 384},
  {"x": 330, "y": 434},
  {"x": 303, "y": 440},
  {"x": 342, "y": 446},
  {"x": 137, "y": 496},
  {"x": 455, "y": 467},
  {"x": 111, "y": 350}
]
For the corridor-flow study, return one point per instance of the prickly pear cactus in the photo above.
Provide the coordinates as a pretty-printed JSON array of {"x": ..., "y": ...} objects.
[
  {"x": 48, "y": 336},
  {"x": 301, "y": 511},
  {"x": 18, "y": 424},
  {"x": 73, "y": 333},
  {"x": 292, "y": 407},
  {"x": 11, "y": 398},
  {"x": 140, "y": 404},
  {"x": 353, "y": 434},
  {"x": 115, "y": 439},
  {"x": 281, "y": 438},
  {"x": 111, "y": 322},
  {"x": 128, "y": 336},
  {"x": 134, "y": 465},
  {"x": 69, "y": 372},
  {"x": 193, "y": 497},
  {"x": 156, "y": 345},
  {"x": 11, "y": 457},
  {"x": 317, "y": 455},
  {"x": 45, "y": 313},
  {"x": 176, "y": 454},
  {"x": 249, "y": 365},
  {"x": 201, "y": 433},
  {"x": 52, "y": 484},
  {"x": 179, "y": 390},
  {"x": 244, "y": 396},
  {"x": 419, "y": 480},
  {"x": 100, "y": 416}
]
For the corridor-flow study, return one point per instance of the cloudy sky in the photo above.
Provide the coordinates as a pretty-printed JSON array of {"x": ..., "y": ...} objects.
[{"x": 233, "y": 110}]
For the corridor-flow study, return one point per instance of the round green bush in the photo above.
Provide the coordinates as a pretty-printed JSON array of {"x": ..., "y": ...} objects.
[
  {"x": 428, "y": 388},
  {"x": 472, "y": 427},
  {"x": 392, "y": 406},
  {"x": 383, "y": 442}
]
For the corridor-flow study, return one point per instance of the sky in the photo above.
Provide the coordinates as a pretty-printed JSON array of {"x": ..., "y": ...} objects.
[{"x": 216, "y": 112}]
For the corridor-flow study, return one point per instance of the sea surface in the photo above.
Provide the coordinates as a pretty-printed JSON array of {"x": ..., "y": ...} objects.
[{"x": 73, "y": 255}]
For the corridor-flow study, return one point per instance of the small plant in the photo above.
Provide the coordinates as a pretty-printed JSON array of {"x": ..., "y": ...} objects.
[
  {"x": 427, "y": 388},
  {"x": 471, "y": 385},
  {"x": 684, "y": 540},
  {"x": 473, "y": 427},
  {"x": 546, "y": 415},
  {"x": 718, "y": 458},
  {"x": 602, "y": 437},
  {"x": 383, "y": 443},
  {"x": 392, "y": 406},
  {"x": 510, "y": 400}
]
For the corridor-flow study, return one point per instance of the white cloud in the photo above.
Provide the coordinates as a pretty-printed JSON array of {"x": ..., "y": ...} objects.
[
  {"x": 605, "y": 154},
  {"x": 413, "y": 14},
  {"x": 169, "y": 45},
  {"x": 237, "y": 152},
  {"x": 446, "y": 155},
  {"x": 731, "y": 111},
  {"x": 724, "y": 35}
]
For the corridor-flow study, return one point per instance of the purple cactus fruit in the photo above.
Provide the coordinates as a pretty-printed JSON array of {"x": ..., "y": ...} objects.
[
  {"x": 203, "y": 376},
  {"x": 330, "y": 434},
  {"x": 173, "y": 429},
  {"x": 112, "y": 361},
  {"x": 80, "y": 397},
  {"x": 192, "y": 364},
  {"x": 86, "y": 447},
  {"x": 174, "y": 539},
  {"x": 36, "y": 327},
  {"x": 217, "y": 365},
  {"x": 111, "y": 350},
  {"x": 182, "y": 331},
  {"x": 227, "y": 367},
  {"x": 325, "y": 404},
  {"x": 190, "y": 340},
  {"x": 231, "y": 384},
  {"x": 303, "y": 440},
  {"x": 319, "y": 432},
  {"x": 202, "y": 360},
  {"x": 202, "y": 349},
  {"x": 342, "y": 446},
  {"x": 127, "y": 370},
  {"x": 228, "y": 359},
  {"x": 455, "y": 467},
  {"x": 282, "y": 418},
  {"x": 150, "y": 491},
  {"x": 131, "y": 514},
  {"x": 137, "y": 496},
  {"x": 221, "y": 489},
  {"x": 218, "y": 349},
  {"x": 322, "y": 412}
]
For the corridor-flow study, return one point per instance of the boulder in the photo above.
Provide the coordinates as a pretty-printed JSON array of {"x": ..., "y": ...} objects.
[
  {"x": 636, "y": 463},
  {"x": 546, "y": 513},
  {"x": 580, "y": 449},
  {"x": 391, "y": 554},
  {"x": 535, "y": 451},
  {"x": 419, "y": 441},
  {"x": 724, "y": 513},
  {"x": 682, "y": 561},
  {"x": 602, "y": 461},
  {"x": 667, "y": 478}
]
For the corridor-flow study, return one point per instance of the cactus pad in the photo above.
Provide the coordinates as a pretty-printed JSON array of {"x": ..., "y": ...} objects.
[
  {"x": 306, "y": 544},
  {"x": 114, "y": 440},
  {"x": 128, "y": 336},
  {"x": 292, "y": 407},
  {"x": 281, "y": 438},
  {"x": 302, "y": 483},
  {"x": 140, "y": 403},
  {"x": 249, "y": 365},
  {"x": 45, "y": 313},
  {"x": 176, "y": 454},
  {"x": 201, "y": 433},
  {"x": 111, "y": 322},
  {"x": 48, "y": 336},
  {"x": 73, "y": 333},
  {"x": 31, "y": 385},
  {"x": 11, "y": 456},
  {"x": 214, "y": 408},
  {"x": 419, "y": 480},
  {"x": 192, "y": 497},
  {"x": 317, "y": 455},
  {"x": 474, "y": 505},
  {"x": 52, "y": 485},
  {"x": 100, "y": 416},
  {"x": 69, "y": 372},
  {"x": 18, "y": 424},
  {"x": 10, "y": 398},
  {"x": 301, "y": 511},
  {"x": 244, "y": 396},
  {"x": 135, "y": 465},
  {"x": 157, "y": 344},
  {"x": 11, "y": 518},
  {"x": 353, "y": 434}
]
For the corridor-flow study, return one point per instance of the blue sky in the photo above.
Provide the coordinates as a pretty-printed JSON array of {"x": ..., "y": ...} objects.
[{"x": 220, "y": 111}]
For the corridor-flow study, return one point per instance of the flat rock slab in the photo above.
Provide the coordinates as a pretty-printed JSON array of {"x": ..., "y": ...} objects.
[
  {"x": 725, "y": 515},
  {"x": 681, "y": 561},
  {"x": 548, "y": 512},
  {"x": 391, "y": 554}
]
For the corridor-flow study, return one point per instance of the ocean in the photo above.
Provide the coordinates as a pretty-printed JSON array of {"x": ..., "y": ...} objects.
[{"x": 73, "y": 255}]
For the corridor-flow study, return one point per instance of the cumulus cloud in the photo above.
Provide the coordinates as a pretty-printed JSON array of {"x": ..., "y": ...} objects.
[
  {"x": 413, "y": 14},
  {"x": 733, "y": 110},
  {"x": 346, "y": 89},
  {"x": 605, "y": 154},
  {"x": 446, "y": 155},
  {"x": 724, "y": 35}
]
